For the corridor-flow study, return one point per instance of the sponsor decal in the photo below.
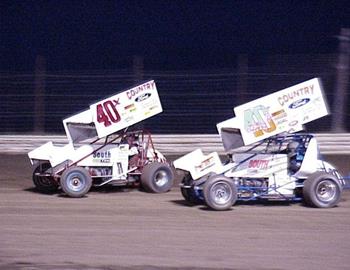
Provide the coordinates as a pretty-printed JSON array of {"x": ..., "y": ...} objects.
[
  {"x": 129, "y": 119},
  {"x": 282, "y": 121},
  {"x": 205, "y": 164},
  {"x": 152, "y": 108},
  {"x": 135, "y": 91},
  {"x": 257, "y": 120},
  {"x": 130, "y": 108},
  {"x": 279, "y": 114},
  {"x": 293, "y": 123},
  {"x": 143, "y": 97},
  {"x": 299, "y": 103},
  {"x": 107, "y": 112},
  {"x": 258, "y": 164},
  {"x": 102, "y": 157},
  {"x": 286, "y": 98},
  {"x": 106, "y": 160},
  {"x": 103, "y": 154}
]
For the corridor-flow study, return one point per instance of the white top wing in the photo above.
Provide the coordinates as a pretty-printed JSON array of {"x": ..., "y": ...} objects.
[
  {"x": 114, "y": 113},
  {"x": 283, "y": 111}
]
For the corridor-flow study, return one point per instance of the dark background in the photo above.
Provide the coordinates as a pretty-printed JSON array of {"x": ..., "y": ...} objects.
[
  {"x": 206, "y": 56},
  {"x": 168, "y": 34}
]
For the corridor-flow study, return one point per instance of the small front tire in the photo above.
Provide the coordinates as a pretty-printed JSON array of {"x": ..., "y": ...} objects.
[
  {"x": 220, "y": 193},
  {"x": 76, "y": 182}
]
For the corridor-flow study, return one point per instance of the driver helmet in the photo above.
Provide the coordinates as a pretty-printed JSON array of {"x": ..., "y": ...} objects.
[{"x": 292, "y": 147}]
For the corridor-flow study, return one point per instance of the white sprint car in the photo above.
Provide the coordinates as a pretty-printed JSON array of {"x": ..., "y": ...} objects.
[
  {"x": 102, "y": 151},
  {"x": 280, "y": 164}
]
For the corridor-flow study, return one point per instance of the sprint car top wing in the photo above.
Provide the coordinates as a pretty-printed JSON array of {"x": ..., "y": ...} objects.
[
  {"x": 283, "y": 111},
  {"x": 114, "y": 113}
]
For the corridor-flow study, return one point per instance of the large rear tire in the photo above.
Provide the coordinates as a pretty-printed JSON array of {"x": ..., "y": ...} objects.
[
  {"x": 220, "y": 193},
  {"x": 322, "y": 190},
  {"x": 157, "y": 177},
  {"x": 44, "y": 183},
  {"x": 76, "y": 182}
]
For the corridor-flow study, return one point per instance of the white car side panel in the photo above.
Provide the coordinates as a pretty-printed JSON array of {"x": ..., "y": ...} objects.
[
  {"x": 259, "y": 166},
  {"x": 273, "y": 167},
  {"x": 54, "y": 154},
  {"x": 199, "y": 164}
]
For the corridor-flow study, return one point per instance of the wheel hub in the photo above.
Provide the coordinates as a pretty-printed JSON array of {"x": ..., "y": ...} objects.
[
  {"x": 326, "y": 190},
  {"x": 221, "y": 192},
  {"x": 76, "y": 182},
  {"x": 161, "y": 178}
]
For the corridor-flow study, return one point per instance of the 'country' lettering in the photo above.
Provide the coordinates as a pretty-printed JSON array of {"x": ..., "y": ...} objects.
[
  {"x": 308, "y": 90},
  {"x": 133, "y": 92}
]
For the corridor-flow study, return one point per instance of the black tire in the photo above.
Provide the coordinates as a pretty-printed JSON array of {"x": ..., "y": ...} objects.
[
  {"x": 220, "y": 193},
  {"x": 44, "y": 184},
  {"x": 76, "y": 182},
  {"x": 157, "y": 177},
  {"x": 322, "y": 190},
  {"x": 189, "y": 193}
]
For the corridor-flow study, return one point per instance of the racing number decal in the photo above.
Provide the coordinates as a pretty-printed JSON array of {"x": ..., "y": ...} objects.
[
  {"x": 258, "y": 120},
  {"x": 107, "y": 112}
]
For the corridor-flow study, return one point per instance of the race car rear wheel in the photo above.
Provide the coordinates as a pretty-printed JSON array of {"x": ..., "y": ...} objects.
[
  {"x": 220, "y": 193},
  {"x": 157, "y": 177},
  {"x": 76, "y": 182},
  {"x": 322, "y": 190},
  {"x": 44, "y": 183}
]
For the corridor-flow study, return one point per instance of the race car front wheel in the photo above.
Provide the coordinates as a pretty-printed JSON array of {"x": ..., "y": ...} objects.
[
  {"x": 43, "y": 182},
  {"x": 220, "y": 193},
  {"x": 322, "y": 190},
  {"x": 157, "y": 177},
  {"x": 76, "y": 182}
]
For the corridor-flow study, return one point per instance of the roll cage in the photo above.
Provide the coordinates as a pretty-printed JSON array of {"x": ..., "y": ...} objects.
[{"x": 142, "y": 138}]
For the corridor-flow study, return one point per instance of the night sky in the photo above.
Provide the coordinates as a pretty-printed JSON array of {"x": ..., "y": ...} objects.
[{"x": 169, "y": 35}]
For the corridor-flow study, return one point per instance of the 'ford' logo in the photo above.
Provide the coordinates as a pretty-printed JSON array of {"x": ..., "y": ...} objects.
[
  {"x": 143, "y": 97},
  {"x": 299, "y": 103}
]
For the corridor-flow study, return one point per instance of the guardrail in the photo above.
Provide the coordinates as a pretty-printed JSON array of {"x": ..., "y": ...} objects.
[{"x": 329, "y": 143}]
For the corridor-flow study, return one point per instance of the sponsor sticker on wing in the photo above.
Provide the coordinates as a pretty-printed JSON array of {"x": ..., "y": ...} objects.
[
  {"x": 126, "y": 108},
  {"x": 143, "y": 97},
  {"x": 283, "y": 111},
  {"x": 130, "y": 108},
  {"x": 299, "y": 103},
  {"x": 205, "y": 164}
]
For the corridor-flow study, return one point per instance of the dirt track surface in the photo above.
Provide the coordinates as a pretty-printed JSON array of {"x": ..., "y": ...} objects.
[{"x": 132, "y": 230}]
